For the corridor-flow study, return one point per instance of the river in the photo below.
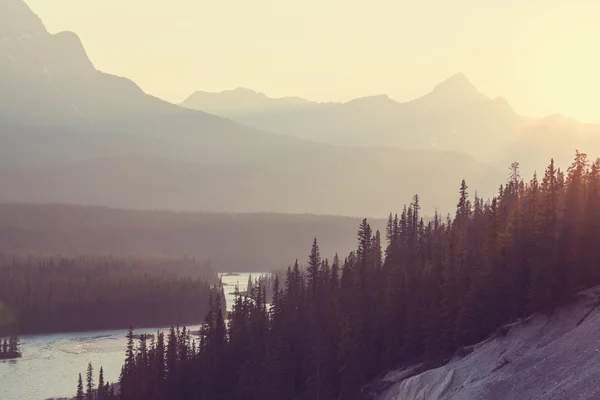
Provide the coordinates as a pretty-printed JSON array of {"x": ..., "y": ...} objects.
[{"x": 51, "y": 363}]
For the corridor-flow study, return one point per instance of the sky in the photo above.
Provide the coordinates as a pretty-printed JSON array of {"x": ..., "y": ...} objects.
[{"x": 541, "y": 55}]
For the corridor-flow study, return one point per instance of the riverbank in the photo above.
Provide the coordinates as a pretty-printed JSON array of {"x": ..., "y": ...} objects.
[{"x": 35, "y": 377}]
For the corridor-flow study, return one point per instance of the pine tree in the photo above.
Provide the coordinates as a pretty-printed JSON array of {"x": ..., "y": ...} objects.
[
  {"x": 80, "y": 395},
  {"x": 571, "y": 230},
  {"x": 350, "y": 374},
  {"x": 591, "y": 228},
  {"x": 314, "y": 262},
  {"x": 171, "y": 353},
  {"x": 13, "y": 346},
  {"x": 250, "y": 286},
  {"x": 89, "y": 394},
  {"x": 101, "y": 393},
  {"x": 545, "y": 273},
  {"x": 126, "y": 382},
  {"x": 463, "y": 208}
]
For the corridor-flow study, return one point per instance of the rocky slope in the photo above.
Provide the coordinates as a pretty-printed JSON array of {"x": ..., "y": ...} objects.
[{"x": 554, "y": 357}]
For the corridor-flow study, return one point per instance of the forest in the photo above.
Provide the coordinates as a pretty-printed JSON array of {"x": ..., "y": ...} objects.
[
  {"x": 254, "y": 242},
  {"x": 418, "y": 292},
  {"x": 9, "y": 347},
  {"x": 54, "y": 294}
]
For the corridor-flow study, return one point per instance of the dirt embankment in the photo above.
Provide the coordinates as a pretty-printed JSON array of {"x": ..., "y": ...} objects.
[{"x": 554, "y": 357}]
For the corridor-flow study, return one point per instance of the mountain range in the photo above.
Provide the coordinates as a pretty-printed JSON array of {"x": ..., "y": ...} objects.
[
  {"x": 454, "y": 116},
  {"x": 70, "y": 133}
]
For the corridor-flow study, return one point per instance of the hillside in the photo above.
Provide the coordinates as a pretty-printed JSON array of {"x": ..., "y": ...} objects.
[
  {"x": 233, "y": 242},
  {"x": 339, "y": 182},
  {"x": 542, "y": 358}
]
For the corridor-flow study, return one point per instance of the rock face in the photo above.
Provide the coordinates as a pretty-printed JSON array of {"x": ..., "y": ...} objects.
[{"x": 543, "y": 358}]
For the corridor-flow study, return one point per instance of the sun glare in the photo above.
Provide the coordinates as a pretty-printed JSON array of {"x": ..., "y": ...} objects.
[{"x": 559, "y": 64}]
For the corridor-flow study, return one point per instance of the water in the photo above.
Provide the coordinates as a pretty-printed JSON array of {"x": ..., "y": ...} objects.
[
  {"x": 229, "y": 282},
  {"x": 51, "y": 363}
]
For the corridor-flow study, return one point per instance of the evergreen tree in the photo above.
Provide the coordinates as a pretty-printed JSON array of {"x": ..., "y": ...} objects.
[
  {"x": 314, "y": 262},
  {"x": 250, "y": 286},
  {"x": 89, "y": 394},
  {"x": 13, "y": 346},
  {"x": 545, "y": 273},
  {"x": 102, "y": 394},
  {"x": 80, "y": 395},
  {"x": 126, "y": 381}
]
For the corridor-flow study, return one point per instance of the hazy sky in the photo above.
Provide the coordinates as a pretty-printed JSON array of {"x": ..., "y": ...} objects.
[{"x": 542, "y": 55}]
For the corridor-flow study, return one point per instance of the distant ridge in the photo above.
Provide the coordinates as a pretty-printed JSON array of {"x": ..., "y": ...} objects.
[
  {"x": 241, "y": 101},
  {"x": 453, "y": 116}
]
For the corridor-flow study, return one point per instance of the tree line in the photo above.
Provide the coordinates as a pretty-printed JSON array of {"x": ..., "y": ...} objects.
[
  {"x": 419, "y": 292},
  {"x": 9, "y": 347},
  {"x": 46, "y": 295},
  {"x": 266, "y": 281},
  {"x": 243, "y": 242},
  {"x": 103, "y": 390}
]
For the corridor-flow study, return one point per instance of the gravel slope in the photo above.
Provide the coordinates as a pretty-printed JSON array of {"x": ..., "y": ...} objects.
[{"x": 542, "y": 358}]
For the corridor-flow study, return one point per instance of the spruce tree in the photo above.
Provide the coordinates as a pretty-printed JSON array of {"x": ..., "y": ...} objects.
[
  {"x": 13, "y": 346},
  {"x": 80, "y": 395},
  {"x": 89, "y": 394},
  {"x": 126, "y": 381},
  {"x": 545, "y": 276},
  {"x": 101, "y": 393},
  {"x": 314, "y": 262}
]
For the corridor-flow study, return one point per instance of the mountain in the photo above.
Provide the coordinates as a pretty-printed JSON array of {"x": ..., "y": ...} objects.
[
  {"x": 242, "y": 102},
  {"x": 454, "y": 116},
  {"x": 71, "y": 133},
  {"x": 50, "y": 88},
  {"x": 17, "y": 21}
]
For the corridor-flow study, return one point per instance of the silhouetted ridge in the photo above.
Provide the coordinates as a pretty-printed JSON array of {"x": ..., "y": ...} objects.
[
  {"x": 18, "y": 21},
  {"x": 459, "y": 88},
  {"x": 375, "y": 100}
]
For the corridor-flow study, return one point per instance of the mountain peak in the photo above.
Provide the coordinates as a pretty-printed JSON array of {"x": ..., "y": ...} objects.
[
  {"x": 17, "y": 20},
  {"x": 378, "y": 99},
  {"x": 243, "y": 90},
  {"x": 457, "y": 82},
  {"x": 458, "y": 88}
]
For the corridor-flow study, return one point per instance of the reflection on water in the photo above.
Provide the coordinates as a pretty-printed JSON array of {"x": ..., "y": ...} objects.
[{"x": 51, "y": 363}]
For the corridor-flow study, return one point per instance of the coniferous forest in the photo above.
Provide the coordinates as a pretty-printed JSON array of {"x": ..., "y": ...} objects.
[
  {"x": 9, "y": 347},
  {"x": 45, "y": 295},
  {"x": 419, "y": 292}
]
